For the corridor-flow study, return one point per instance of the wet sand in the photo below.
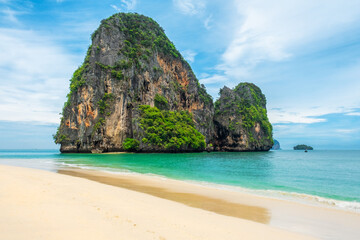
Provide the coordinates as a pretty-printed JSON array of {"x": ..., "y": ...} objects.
[{"x": 220, "y": 206}]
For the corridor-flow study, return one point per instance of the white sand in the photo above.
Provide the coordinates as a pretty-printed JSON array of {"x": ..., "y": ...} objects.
[{"x": 36, "y": 204}]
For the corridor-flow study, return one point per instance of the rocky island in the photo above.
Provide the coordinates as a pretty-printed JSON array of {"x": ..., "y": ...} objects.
[
  {"x": 135, "y": 92},
  {"x": 276, "y": 145},
  {"x": 303, "y": 147},
  {"x": 240, "y": 120}
]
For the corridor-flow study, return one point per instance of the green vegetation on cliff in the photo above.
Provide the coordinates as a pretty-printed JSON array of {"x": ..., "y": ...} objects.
[
  {"x": 131, "y": 144},
  {"x": 60, "y": 138},
  {"x": 241, "y": 120},
  {"x": 249, "y": 107},
  {"x": 143, "y": 35},
  {"x": 104, "y": 103},
  {"x": 78, "y": 79},
  {"x": 161, "y": 102},
  {"x": 170, "y": 130}
]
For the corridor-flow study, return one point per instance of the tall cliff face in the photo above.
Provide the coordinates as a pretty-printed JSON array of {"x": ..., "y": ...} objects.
[
  {"x": 132, "y": 63},
  {"x": 241, "y": 122}
]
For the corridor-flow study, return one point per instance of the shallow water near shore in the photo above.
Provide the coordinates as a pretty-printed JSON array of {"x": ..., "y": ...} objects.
[{"x": 324, "y": 177}]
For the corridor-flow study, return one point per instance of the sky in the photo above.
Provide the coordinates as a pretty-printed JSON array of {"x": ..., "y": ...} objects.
[{"x": 303, "y": 54}]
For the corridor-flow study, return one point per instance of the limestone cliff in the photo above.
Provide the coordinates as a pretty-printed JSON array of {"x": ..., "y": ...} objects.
[
  {"x": 135, "y": 92},
  {"x": 241, "y": 122},
  {"x": 130, "y": 63}
]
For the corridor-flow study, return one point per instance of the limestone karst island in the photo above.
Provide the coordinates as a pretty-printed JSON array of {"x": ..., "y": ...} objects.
[{"x": 135, "y": 92}]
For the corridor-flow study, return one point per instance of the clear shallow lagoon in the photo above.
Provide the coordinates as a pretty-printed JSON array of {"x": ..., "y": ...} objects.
[{"x": 334, "y": 176}]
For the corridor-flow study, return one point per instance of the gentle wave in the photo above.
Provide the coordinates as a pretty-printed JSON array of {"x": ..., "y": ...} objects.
[
  {"x": 117, "y": 171},
  {"x": 310, "y": 199},
  {"x": 275, "y": 194},
  {"x": 290, "y": 196}
]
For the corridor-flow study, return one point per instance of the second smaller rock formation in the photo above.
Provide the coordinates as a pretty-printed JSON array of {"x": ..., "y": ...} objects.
[{"x": 241, "y": 122}]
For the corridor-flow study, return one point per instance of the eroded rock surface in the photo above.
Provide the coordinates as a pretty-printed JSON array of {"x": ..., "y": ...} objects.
[
  {"x": 131, "y": 64},
  {"x": 241, "y": 122}
]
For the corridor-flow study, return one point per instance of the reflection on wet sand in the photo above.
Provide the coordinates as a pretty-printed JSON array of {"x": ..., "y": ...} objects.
[{"x": 220, "y": 206}]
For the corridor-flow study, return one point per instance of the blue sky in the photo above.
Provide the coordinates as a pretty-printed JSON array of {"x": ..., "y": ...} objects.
[{"x": 304, "y": 55}]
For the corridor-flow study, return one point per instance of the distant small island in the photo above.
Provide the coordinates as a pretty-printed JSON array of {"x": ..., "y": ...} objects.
[
  {"x": 303, "y": 147},
  {"x": 276, "y": 145}
]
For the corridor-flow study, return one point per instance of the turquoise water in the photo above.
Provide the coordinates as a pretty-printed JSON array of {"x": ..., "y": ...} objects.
[{"x": 330, "y": 175}]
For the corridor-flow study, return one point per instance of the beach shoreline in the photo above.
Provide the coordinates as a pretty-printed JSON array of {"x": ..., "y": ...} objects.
[
  {"x": 37, "y": 204},
  {"x": 302, "y": 198},
  {"x": 319, "y": 221},
  {"x": 280, "y": 215}
]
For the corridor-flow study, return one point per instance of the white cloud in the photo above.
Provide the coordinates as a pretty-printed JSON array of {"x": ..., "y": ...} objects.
[
  {"x": 346, "y": 130},
  {"x": 127, "y": 5},
  {"x": 285, "y": 116},
  {"x": 306, "y": 114},
  {"x": 213, "y": 79},
  {"x": 207, "y": 22},
  {"x": 190, "y": 7},
  {"x": 10, "y": 15},
  {"x": 298, "y": 132},
  {"x": 34, "y": 76},
  {"x": 270, "y": 30},
  {"x": 189, "y": 55},
  {"x": 195, "y": 8},
  {"x": 353, "y": 114},
  {"x": 204, "y": 75},
  {"x": 339, "y": 95},
  {"x": 116, "y": 8}
]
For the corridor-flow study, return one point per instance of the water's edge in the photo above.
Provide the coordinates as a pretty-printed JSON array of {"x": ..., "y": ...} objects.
[
  {"x": 301, "y": 198},
  {"x": 285, "y": 175}
]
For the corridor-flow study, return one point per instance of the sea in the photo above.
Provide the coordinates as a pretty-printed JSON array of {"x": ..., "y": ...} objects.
[{"x": 329, "y": 178}]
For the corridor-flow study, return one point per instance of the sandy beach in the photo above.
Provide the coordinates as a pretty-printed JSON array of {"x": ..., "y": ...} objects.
[
  {"x": 37, "y": 204},
  {"x": 318, "y": 221}
]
